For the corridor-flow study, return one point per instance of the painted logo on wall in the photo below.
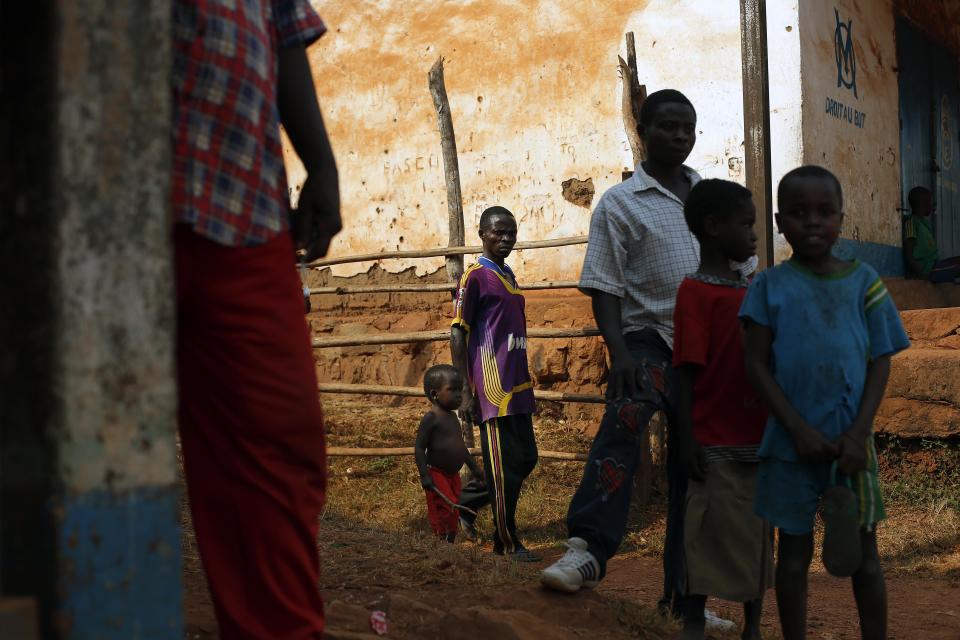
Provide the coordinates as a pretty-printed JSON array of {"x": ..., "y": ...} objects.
[
  {"x": 846, "y": 75},
  {"x": 845, "y": 54}
]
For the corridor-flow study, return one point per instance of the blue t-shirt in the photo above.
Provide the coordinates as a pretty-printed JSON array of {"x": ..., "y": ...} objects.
[{"x": 826, "y": 329}]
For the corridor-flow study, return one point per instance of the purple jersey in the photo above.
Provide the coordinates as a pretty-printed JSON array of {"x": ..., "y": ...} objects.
[{"x": 490, "y": 308}]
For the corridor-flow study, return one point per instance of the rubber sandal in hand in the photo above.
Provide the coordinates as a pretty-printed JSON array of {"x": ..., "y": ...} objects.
[{"x": 841, "y": 524}]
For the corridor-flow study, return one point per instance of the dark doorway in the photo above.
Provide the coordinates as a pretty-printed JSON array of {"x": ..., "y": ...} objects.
[{"x": 929, "y": 132}]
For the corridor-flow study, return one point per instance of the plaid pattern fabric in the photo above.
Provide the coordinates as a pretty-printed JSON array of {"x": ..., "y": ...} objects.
[
  {"x": 228, "y": 177},
  {"x": 639, "y": 250},
  {"x": 867, "y": 488}
]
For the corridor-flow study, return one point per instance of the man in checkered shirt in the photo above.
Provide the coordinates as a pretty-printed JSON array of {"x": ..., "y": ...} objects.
[
  {"x": 250, "y": 420},
  {"x": 639, "y": 251}
]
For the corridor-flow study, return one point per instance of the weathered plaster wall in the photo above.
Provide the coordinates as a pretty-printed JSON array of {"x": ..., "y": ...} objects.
[
  {"x": 535, "y": 100},
  {"x": 117, "y": 381},
  {"x": 786, "y": 131},
  {"x": 851, "y": 112}
]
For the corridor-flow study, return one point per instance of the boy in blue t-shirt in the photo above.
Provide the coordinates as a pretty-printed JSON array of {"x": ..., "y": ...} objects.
[{"x": 819, "y": 335}]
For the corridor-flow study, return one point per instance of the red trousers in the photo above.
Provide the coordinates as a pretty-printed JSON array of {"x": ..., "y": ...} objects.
[
  {"x": 252, "y": 434},
  {"x": 443, "y": 518}
]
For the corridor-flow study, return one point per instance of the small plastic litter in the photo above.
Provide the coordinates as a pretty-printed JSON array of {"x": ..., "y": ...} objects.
[{"x": 378, "y": 622}]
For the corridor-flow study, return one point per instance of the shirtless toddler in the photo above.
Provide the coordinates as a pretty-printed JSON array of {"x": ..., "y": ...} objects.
[{"x": 439, "y": 450}]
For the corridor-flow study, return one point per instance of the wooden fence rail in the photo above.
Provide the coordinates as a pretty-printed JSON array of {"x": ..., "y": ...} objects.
[
  {"x": 377, "y": 389},
  {"x": 408, "y": 451},
  {"x": 430, "y": 287},
  {"x": 444, "y": 251},
  {"x": 437, "y": 335}
]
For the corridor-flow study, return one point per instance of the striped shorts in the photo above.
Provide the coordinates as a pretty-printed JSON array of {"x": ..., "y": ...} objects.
[{"x": 788, "y": 493}]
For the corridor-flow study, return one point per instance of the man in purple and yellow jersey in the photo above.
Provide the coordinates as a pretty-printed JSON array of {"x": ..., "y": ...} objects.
[{"x": 488, "y": 343}]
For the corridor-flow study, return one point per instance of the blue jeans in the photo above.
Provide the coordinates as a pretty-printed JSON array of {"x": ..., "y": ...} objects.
[{"x": 598, "y": 511}]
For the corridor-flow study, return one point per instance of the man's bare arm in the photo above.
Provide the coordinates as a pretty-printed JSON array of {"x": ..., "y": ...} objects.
[
  {"x": 458, "y": 354},
  {"x": 623, "y": 379},
  {"x": 318, "y": 210}
]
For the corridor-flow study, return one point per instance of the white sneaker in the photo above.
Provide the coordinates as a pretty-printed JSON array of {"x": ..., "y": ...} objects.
[
  {"x": 716, "y": 624},
  {"x": 577, "y": 568}
]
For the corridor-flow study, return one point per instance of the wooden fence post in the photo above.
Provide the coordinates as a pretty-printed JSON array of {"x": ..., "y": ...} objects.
[
  {"x": 451, "y": 168},
  {"x": 756, "y": 121},
  {"x": 634, "y": 94}
]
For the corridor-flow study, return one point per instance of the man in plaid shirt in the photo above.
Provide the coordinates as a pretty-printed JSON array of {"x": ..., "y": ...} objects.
[
  {"x": 639, "y": 251},
  {"x": 250, "y": 419}
]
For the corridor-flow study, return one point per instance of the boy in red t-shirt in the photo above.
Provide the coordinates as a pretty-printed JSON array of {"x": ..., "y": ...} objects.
[{"x": 721, "y": 419}]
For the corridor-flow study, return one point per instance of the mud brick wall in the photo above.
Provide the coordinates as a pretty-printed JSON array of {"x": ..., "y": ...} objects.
[
  {"x": 923, "y": 397},
  {"x": 575, "y": 364}
]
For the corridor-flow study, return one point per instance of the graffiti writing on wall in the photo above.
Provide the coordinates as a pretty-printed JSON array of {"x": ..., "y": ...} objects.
[{"x": 845, "y": 113}]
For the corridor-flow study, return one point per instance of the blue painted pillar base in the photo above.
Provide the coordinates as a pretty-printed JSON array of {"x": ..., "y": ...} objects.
[
  {"x": 120, "y": 570},
  {"x": 885, "y": 258}
]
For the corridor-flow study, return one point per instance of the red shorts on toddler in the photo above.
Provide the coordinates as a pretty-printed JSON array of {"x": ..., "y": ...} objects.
[{"x": 443, "y": 517}]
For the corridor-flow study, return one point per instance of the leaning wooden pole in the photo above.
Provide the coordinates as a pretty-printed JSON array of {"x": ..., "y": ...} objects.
[
  {"x": 634, "y": 94},
  {"x": 451, "y": 168},
  {"x": 756, "y": 120}
]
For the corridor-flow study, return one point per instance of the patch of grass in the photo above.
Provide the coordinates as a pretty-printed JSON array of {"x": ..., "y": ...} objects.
[
  {"x": 644, "y": 621},
  {"x": 921, "y": 486},
  {"x": 921, "y": 540},
  {"x": 380, "y": 465},
  {"x": 924, "y": 473},
  {"x": 385, "y": 493}
]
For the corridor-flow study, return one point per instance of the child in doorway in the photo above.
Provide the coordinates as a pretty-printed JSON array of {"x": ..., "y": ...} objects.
[
  {"x": 439, "y": 450},
  {"x": 720, "y": 419},
  {"x": 920, "y": 253},
  {"x": 819, "y": 335}
]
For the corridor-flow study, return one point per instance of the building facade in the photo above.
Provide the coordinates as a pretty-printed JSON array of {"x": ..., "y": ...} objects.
[{"x": 867, "y": 88}]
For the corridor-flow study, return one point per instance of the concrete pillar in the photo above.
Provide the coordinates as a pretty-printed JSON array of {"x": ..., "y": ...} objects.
[{"x": 89, "y": 522}]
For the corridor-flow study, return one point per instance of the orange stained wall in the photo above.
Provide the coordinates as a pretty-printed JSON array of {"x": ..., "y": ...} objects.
[{"x": 536, "y": 100}]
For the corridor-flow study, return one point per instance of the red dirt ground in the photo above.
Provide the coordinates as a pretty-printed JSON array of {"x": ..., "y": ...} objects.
[
  {"x": 463, "y": 593},
  {"x": 919, "y": 608}
]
